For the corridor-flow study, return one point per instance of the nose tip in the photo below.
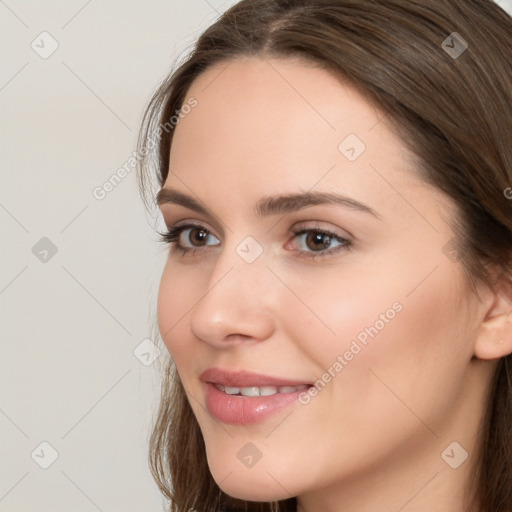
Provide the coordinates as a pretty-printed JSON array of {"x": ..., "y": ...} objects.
[{"x": 236, "y": 308}]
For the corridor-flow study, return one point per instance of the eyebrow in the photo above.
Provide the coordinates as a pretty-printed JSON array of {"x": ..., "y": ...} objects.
[{"x": 272, "y": 205}]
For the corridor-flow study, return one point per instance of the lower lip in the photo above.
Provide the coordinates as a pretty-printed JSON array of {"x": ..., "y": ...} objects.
[{"x": 243, "y": 410}]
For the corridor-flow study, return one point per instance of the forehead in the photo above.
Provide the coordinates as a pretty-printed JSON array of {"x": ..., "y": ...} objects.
[
  {"x": 293, "y": 97},
  {"x": 267, "y": 126}
]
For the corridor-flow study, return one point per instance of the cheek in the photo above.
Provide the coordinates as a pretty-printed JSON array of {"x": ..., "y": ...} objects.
[
  {"x": 378, "y": 336},
  {"x": 338, "y": 311},
  {"x": 175, "y": 299}
]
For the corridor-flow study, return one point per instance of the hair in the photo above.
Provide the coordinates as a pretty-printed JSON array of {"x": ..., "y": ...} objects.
[{"x": 453, "y": 113}]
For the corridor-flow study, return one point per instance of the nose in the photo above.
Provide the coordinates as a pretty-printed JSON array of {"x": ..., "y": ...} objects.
[{"x": 238, "y": 303}]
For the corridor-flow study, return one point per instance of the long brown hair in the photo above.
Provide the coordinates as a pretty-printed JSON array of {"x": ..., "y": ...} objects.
[{"x": 453, "y": 110}]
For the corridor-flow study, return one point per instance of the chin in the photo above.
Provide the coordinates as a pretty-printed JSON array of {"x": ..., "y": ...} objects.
[
  {"x": 249, "y": 484},
  {"x": 252, "y": 491}
]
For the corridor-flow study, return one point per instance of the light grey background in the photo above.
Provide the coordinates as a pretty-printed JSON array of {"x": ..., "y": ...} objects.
[
  {"x": 69, "y": 326},
  {"x": 71, "y": 321}
]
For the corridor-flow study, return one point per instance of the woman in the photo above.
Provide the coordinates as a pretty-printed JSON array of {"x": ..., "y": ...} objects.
[{"x": 337, "y": 295}]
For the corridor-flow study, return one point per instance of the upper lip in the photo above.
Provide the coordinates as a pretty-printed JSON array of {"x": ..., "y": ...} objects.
[{"x": 243, "y": 379}]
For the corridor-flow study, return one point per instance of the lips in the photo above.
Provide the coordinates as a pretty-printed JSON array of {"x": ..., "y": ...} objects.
[
  {"x": 244, "y": 379},
  {"x": 243, "y": 398}
]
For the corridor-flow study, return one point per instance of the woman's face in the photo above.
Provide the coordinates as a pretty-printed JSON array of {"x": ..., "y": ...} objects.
[{"x": 376, "y": 310}]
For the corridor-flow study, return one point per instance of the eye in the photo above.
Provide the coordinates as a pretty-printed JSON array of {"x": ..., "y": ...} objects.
[
  {"x": 193, "y": 237},
  {"x": 317, "y": 242}
]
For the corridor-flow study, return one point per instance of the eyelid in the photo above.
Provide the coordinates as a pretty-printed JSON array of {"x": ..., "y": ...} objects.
[
  {"x": 304, "y": 226},
  {"x": 170, "y": 212}
]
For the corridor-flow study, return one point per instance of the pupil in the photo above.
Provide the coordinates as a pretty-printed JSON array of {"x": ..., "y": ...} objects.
[
  {"x": 317, "y": 239},
  {"x": 200, "y": 235}
]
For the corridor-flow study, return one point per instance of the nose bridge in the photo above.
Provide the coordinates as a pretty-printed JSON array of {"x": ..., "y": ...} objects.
[
  {"x": 243, "y": 264},
  {"x": 239, "y": 295}
]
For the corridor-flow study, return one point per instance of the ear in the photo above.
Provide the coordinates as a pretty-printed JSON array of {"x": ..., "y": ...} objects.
[{"x": 495, "y": 335}]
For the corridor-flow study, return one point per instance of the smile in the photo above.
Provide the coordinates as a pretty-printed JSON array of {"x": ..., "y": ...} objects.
[
  {"x": 242, "y": 397},
  {"x": 260, "y": 390}
]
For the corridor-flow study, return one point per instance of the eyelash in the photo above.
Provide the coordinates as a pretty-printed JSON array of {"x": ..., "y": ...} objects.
[{"x": 174, "y": 232}]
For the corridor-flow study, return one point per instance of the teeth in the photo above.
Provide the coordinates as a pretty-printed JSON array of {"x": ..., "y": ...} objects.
[
  {"x": 260, "y": 391},
  {"x": 253, "y": 391},
  {"x": 287, "y": 389}
]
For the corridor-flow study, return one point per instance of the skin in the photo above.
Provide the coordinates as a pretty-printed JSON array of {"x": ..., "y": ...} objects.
[{"x": 372, "y": 439}]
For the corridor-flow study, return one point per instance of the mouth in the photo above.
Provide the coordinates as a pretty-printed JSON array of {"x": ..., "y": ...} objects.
[
  {"x": 243, "y": 398},
  {"x": 245, "y": 380},
  {"x": 260, "y": 390}
]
